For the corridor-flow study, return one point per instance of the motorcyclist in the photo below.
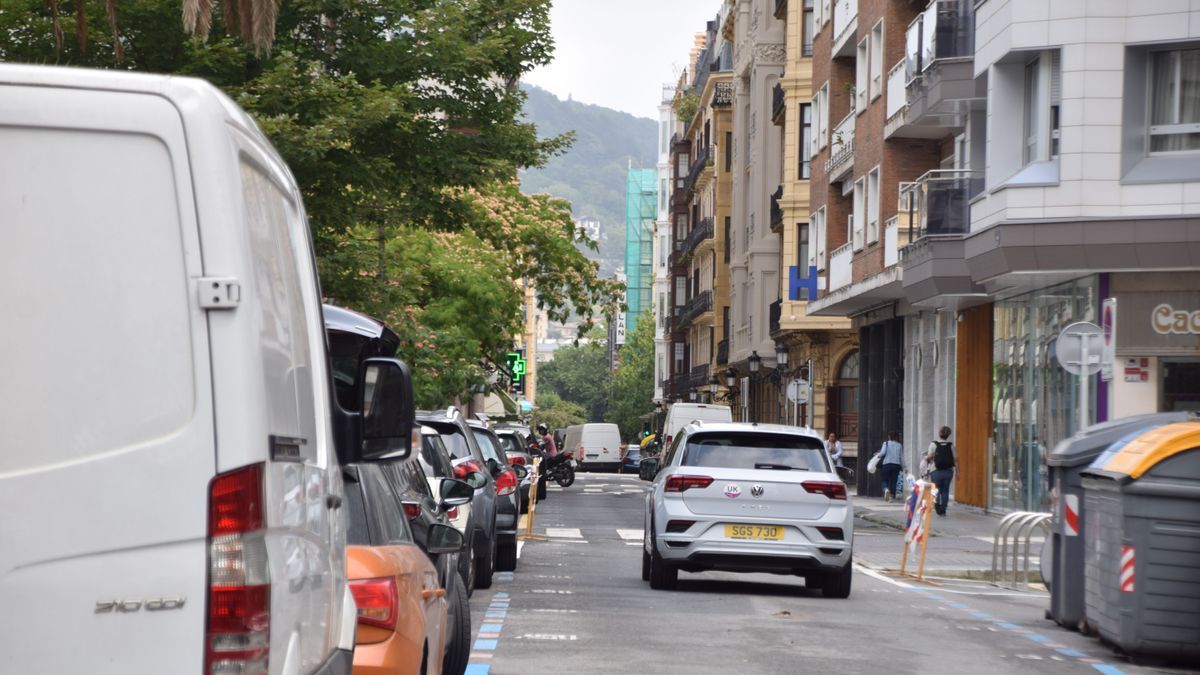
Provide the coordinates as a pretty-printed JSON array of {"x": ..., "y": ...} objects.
[{"x": 549, "y": 449}]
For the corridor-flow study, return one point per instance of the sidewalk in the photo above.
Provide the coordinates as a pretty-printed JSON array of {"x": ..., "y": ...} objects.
[{"x": 961, "y": 541}]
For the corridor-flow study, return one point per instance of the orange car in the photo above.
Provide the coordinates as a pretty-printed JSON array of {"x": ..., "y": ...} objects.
[{"x": 401, "y": 607}]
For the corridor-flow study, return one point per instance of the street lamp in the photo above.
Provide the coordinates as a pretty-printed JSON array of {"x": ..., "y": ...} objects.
[
  {"x": 731, "y": 393},
  {"x": 755, "y": 361},
  {"x": 781, "y": 355},
  {"x": 692, "y": 395}
]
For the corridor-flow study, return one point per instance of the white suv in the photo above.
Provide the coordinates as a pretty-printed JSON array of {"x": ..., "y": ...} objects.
[{"x": 747, "y": 498}]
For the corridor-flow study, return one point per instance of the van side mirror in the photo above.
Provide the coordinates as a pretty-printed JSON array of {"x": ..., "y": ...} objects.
[
  {"x": 386, "y": 408},
  {"x": 454, "y": 492},
  {"x": 444, "y": 539}
]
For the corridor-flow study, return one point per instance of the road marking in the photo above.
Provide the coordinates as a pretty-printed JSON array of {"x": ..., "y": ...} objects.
[
  {"x": 631, "y": 534},
  {"x": 569, "y": 532},
  {"x": 553, "y": 611},
  {"x": 551, "y": 591},
  {"x": 633, "y": 543},
  {"x": 546, "y": 636}
]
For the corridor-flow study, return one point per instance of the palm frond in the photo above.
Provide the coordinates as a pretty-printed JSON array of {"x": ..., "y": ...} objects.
[{"x": 265, "y": 13}]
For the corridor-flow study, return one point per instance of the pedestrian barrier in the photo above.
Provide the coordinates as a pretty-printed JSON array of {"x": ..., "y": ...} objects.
[{"x": 1015, "y": 527}]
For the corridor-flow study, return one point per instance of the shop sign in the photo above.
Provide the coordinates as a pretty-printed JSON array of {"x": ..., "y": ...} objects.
[
  {"x": 1137, "y": 370},
  {"x": 1164, "y": 323}
]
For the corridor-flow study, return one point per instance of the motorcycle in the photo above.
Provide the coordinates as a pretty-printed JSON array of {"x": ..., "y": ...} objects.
[{"x": 563, "y": 470}]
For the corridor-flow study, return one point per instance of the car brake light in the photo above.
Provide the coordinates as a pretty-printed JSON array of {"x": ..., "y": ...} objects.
[
  {"x": 831, "y": 489},
  {"x": 452, "y": 513},
  {"x": 237, "y": 637},
  {"x": 412, "y": 510},
  {"x": 506, "y": 483},
  {"x": 680, "y": 483},
  {"x": 460, "y": 471},
  {"x": 377, "y": 600},
  {"x": 832, "y": 533},
  {"x": 516, "y": 459},
  {"x": 677, "y": 526}
]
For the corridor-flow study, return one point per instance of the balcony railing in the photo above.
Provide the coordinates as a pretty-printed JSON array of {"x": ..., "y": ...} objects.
[
  {"x": 893, "y": 241},
  {"x": 679, "y": 385},
  {"x": 845, "y": 15},
  {"x": 703, "y": 159},
  {"x": 699, "y": 304},
  {"x": 702, "y": 231},
  {"x": 698, "y": 377},
  {"x": 841, "y": 143},
  {"x": 781, "y": 9},
  {"x": 778, "y": 104},
  {"x": 839, "y": 266},
  {"x": 775, "y": 312},
  {"x": 939, "y": 202},
  {"x": 776, "y": 211},
  {"x": 723, "y": 94},
  {"x": 722, "y": 352},
  {"x": 896, "y": 97},
  {"x": 945, "y": 30}
]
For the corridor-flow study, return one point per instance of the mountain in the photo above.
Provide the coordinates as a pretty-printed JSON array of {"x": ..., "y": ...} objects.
[{"x": 591, "y": 174}]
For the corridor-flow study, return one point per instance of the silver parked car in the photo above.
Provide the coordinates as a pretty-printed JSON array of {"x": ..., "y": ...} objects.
[{"x": 747, "y": 498}]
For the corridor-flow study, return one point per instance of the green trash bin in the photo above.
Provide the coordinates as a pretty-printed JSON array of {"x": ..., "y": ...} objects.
[{"x": 1142, "y": 569}]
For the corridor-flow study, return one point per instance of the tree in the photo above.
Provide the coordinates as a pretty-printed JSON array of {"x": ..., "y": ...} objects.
[
  {"x": 580, "y": 374},
  {"x": 633, "y": 383},
  {"x": 556, "y": 413},
  {"x": 400, "y": 121}
]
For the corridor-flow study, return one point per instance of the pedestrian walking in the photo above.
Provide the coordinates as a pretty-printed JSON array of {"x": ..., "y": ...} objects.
[
  {"x": 891, "y": 460},
  {"x": 941, "y": 456},
  {"x": 834, "y": 446}
]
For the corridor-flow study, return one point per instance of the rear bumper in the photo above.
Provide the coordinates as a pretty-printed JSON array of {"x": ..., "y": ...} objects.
[
  {"x": 737, "y": 556},
  {"x": 393, "y": 655},
  {"x": 341, "y": 662}
]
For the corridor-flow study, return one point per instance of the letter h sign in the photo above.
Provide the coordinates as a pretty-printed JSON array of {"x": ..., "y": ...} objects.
[{"x": 796, "y": 283}]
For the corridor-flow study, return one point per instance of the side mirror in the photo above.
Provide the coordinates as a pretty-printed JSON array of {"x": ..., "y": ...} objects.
[
  {"x": 454, "y": 492},
  {"x": 846, "y": 474},
  {"x": 494, "y": 466},
  {"x": 387, "y": 410},
  {"x": 476, "y": 480},
  {"x": 444, "y": 539},
  {"x": 649, "y": 468},
  {"x": 521, "y": 471}
]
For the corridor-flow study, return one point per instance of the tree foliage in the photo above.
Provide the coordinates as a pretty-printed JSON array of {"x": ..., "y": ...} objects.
[
  {"x": 400, "y": 121},
  {"x": 556, "y": 413},
  {"x": 633, "y": 383},
  {"x": 579, "y": 374}
]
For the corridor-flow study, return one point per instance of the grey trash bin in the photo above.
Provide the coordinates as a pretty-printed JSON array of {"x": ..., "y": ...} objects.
[
  {"x": 1142, "y": 583},
  {"x": 1066, "y": 462}
]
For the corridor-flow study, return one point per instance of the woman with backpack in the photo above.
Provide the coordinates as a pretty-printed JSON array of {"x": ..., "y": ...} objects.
[{"x": 941, "y": 456}]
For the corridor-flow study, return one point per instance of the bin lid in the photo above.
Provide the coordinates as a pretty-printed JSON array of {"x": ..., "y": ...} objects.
[
  {"x": 1142, "y": 453},
  {"x": 1084, "y": 446}
]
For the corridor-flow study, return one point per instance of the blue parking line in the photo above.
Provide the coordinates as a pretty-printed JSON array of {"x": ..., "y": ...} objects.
[
  {"x": 1039, "y": 638},
  {"x": 1008, "y": 626},
  {"x": 477, "y": 669},
  {"x": 491, "y": 627},
  {"x": 500, "y": 595},
  {"x": 1107, "y": 669},
  {"x": 981, "y": 615},
  {"x": 485, "y": 645},
  {"x": 495, "y": 614},
  {"x": 1067, "y": 651}
]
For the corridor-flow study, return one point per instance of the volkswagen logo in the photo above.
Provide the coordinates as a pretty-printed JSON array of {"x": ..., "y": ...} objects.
[{"x": 757, "y": 491}]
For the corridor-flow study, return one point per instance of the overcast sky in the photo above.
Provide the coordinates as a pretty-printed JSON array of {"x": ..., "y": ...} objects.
[{"x": 619, "y": 53}]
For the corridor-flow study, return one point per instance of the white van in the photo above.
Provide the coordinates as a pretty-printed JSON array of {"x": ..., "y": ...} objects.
[
  {"x": 597, "y": 446},
  {"x": 680, "y": 415},
  {"x": 169, "y": 486}
]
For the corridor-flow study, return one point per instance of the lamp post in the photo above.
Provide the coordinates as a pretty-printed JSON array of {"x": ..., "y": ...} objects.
[{"x": 731, "y": 393}]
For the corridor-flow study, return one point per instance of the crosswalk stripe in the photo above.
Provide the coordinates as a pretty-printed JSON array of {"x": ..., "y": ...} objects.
[
  {"x": 564, "y": 532},
  {"x": 631, "y": 534}
]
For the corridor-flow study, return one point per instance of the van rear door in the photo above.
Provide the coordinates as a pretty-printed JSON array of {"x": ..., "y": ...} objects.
[{"x": 107, "y": 419}]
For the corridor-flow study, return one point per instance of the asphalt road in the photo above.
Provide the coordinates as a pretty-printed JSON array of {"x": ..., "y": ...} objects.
[{"x": 577, "y": 604}]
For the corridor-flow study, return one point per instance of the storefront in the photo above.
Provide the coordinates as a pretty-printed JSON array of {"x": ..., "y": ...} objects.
[
  {"x": 1034, "y": 400},
  {"x": 1156, "y": 357}
]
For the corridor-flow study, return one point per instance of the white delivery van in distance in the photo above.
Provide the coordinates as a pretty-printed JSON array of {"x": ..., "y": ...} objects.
[
  {"x": 681, "y": 414},
  {"x": 597, "y": 446},
  {"x": 170, "y": 488}
]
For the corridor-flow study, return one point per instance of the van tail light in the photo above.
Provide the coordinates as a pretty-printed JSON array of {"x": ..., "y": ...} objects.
[
  {"x": 680, "y": 483},
  {"x": 506, "y": 483},
  {"x": 831, "y": 489},
  {"x": 238, "y": 634},
  {"x": 412, "y": 510},
  {"x": 516, "y": 459},
  {"x": 377, "y": 601}
]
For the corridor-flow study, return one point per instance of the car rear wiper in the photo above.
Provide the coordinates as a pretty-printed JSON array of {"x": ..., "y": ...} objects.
[{"x": 778, "y": 467}]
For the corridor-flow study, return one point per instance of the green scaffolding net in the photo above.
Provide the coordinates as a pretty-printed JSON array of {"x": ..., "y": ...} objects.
[{"x": 641, "y": 209}]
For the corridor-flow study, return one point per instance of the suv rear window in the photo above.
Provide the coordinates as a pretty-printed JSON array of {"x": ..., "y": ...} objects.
[{"x": 755, "y": 451}]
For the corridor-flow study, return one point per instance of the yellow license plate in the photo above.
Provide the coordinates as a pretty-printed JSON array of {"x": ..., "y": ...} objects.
[{"x": 768, "y": 532}]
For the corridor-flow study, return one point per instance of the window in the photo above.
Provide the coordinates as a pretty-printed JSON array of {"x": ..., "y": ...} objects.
[
  {"x": 1041, "y": 114},
  {"x": 876, "y": 57},
  {"x": 805, "y": 141},
  {"x": 662, "y": 195},
  {"x": 680, "y": 290},
  {"x": 873, "y": 206},
  {"x": 754, "y": 450},
  {"x": 728, "y": 150},
  {"x": 802, "y": 260},
  {"x": 1175, "y": 101},
  {"x": 818, "y": 221},
  {"x": 726, "y": 236},
  {"x": 681, "y": 168},
  {"x": 860, "y": 78},
  {"x": 1033, "y": 104},
  {"x": 858, "y": 218},
  {"x": 807, "y": 26}
]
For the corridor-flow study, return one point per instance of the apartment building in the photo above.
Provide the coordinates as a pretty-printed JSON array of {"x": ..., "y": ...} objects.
[
  {"x": 811, "y": 349},
  {"x": 667, "y": 123}
]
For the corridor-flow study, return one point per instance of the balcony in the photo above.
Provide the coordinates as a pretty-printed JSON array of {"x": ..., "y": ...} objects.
[
  {"x": 781, "y": 9},
  {"x": 839, "y": 266},
  {"x": 722, "y": 352},
  {"x": 699, "y": 304},
  {"x": 777, "y": 211},
  {"x": 939, "y": 77},
  {"x": 775, "y": 312},
  {"x": 841, "y": 158},
  {"x": 896, "y": 97},
  {"x": 895, "y": 237},
  {"x": 723, "y": 95},
  {"x": 845, "y": 25},
  {"x": 778, "y": 104},
  {"x": 702, "y": 231},
  {"x": 698, "y": 377},
  {"x": 939, "y": 202},
  {"x": 703, "y": 160},
  {"x": 679, "y": 386}
]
